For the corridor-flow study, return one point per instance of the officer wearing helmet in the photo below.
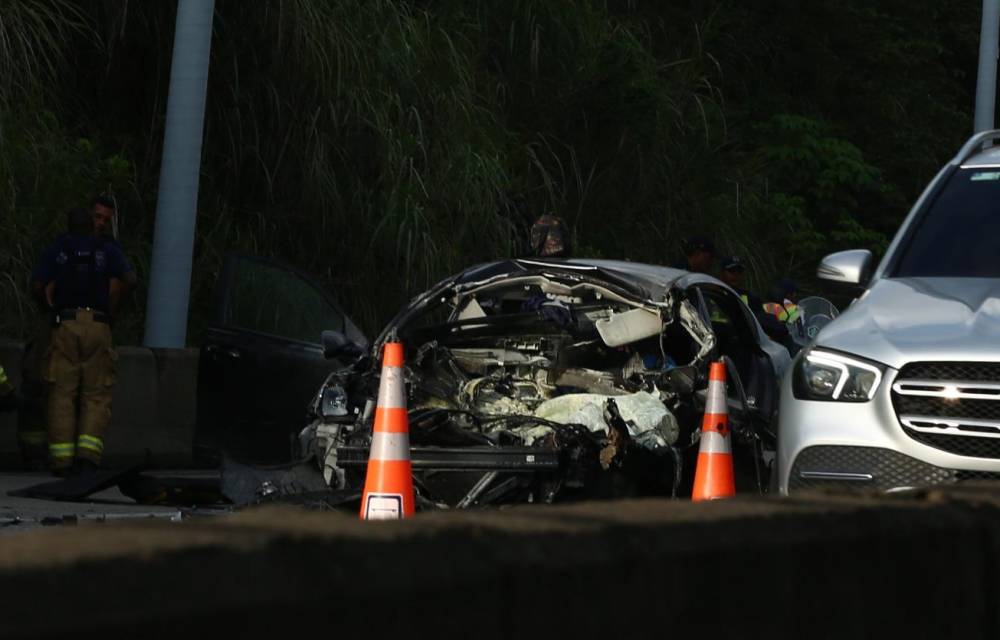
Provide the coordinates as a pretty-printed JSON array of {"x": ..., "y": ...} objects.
[{"x": 550, "y": 237}]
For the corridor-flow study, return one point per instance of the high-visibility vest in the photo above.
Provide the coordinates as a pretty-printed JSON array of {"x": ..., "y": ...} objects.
[
  {"x": 788, "y": 312},
  {"x": 717, "y": 316}
]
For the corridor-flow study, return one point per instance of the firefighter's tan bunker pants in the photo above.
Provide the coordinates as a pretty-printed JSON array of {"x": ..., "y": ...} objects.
[{"x": 82, "y": 369}]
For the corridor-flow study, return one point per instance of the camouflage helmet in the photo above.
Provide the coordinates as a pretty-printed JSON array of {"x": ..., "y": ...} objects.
[{"x": 549, "y": 236}]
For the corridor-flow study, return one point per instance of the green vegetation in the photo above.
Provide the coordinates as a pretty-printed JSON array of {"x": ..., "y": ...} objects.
[{"x": 382, "y": 144}]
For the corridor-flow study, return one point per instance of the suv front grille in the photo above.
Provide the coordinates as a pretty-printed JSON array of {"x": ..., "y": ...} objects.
[
  {"x": 972, "y": 447},
  {"x": 952, "y": 370},
  {"x": 952, "y": 406},
  {"x": 847, "y": 467}
]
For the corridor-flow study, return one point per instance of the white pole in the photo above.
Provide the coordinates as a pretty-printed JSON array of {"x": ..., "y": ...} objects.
[
  {"x": 177, "y": 201},
  {"x": 986, "y": 83}
]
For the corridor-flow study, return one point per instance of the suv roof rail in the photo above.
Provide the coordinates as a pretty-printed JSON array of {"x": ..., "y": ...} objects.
[{"x": 974, "y": 145}]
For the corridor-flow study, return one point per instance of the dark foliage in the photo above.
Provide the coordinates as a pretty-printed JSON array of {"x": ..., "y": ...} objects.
[{"x": 382, "y": 144}]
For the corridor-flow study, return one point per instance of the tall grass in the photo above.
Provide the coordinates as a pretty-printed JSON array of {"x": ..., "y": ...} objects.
[{"x": 382, "y": 144}]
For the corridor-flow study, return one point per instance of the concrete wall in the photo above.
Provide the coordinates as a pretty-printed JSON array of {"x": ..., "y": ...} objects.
[
  {"x": 813, "y": 566},
  {"x": 154, "y": 407}
]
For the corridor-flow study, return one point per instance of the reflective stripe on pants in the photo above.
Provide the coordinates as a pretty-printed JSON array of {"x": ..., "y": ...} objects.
[
  {"x": 90, "y": 442},
  {"x": 61, "y": 453},
  {"x": 90, "y": 448}
]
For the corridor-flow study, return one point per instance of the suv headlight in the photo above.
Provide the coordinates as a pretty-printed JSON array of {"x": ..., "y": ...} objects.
[{"x": 834, "y": 377}]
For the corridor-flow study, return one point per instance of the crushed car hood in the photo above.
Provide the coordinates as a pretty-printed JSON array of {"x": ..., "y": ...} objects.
[
  {"x": 641, "y": 282},
  {"x": 901, "y": 320},
  {"x": 647, "y": 281}
]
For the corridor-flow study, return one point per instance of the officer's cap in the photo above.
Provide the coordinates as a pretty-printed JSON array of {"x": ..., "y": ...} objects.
[{"x": 733, "y": 263}]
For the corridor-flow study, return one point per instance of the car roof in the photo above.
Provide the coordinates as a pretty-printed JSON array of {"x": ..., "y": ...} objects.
[
  {"x": 973, "y": 154},
  {"x": 987, "y": 158}
]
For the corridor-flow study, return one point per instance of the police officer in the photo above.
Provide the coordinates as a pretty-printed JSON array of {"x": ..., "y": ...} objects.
[
  {"x": 81, "y": 276},
  {"x": 733, "y": 273},
  {"x": 699, "y": 255},
  {"x": 550, "y": 237}
]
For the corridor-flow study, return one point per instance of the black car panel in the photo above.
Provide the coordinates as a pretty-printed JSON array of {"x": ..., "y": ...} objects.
[{"x": 262, "y": 359}]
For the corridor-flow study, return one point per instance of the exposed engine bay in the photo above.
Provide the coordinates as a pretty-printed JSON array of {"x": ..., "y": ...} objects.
[{"x": 537, "y": 388}]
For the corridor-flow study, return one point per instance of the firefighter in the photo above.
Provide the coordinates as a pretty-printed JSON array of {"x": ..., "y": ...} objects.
[
  {"x": 32, "y": 423},
  {"x": 104, "y": 210},
  {"x": 82, "y": 278},
  {"x": 550, "y": 237}
]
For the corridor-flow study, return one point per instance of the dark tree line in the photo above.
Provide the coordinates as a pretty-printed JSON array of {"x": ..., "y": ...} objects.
[{"x": 383, "y": 144}]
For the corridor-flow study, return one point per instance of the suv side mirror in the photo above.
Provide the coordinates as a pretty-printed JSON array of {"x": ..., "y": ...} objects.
[
  {"x": 848, "y": 267},
  {"x": 336, "y": 344}
]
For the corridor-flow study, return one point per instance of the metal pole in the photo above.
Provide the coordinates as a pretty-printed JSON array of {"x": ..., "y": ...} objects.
[
  {"x": 986, "y": 83},
  {"x": 177, "y": 202}
]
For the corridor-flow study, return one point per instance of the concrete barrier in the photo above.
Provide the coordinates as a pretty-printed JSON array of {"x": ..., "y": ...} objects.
[
  {"x": 154, "y": 407},
  {"x": 812, "y": 566}
]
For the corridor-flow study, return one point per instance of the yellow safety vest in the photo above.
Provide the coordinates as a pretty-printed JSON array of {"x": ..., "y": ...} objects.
[{"x": 783, "y": 312}]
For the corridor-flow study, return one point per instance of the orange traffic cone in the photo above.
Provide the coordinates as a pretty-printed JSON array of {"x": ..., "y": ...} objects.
[
  {"x": 713, "y": 477},
  {"x": 388, "y": 491}
]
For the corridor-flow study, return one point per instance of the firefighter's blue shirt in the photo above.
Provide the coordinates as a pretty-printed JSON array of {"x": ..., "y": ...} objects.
[{"x": 82, "y": 268}]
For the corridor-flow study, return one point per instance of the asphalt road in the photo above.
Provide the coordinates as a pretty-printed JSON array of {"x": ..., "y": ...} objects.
[{"x": 25, "y": 514}]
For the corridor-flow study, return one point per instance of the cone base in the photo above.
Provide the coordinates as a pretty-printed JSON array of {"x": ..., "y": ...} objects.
[
  {"x": 713, "y": 478},
  {"x": 388, "y": 491}
]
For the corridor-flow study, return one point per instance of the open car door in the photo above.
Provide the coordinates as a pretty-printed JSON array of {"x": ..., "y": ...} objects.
[
  {"x": 758, "y": 364},
  {"x": 262, "y": 359}
]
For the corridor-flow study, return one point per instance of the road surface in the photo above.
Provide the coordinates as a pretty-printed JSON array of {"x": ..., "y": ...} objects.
[{"x": 24, "y": 514}]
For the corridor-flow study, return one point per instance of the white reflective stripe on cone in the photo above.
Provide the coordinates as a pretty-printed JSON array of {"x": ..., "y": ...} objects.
[
  {"x": 392, "y": 389},
  {"x": 714, "y": 442},
  {"x": 390, "y": 446},
  {"x": 716, "y": 400},
  {"x": 384, "y": 506}
]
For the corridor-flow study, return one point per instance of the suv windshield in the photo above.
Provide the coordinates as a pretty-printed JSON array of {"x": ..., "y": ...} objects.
[{"x": 959, "y": 236}]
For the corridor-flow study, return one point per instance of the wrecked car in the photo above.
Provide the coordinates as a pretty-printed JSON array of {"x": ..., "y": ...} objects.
[{"x": 553, "y": 380}]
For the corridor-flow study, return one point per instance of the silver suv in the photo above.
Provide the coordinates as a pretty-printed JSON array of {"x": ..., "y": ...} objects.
[{"x": 903, "y": 389}]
